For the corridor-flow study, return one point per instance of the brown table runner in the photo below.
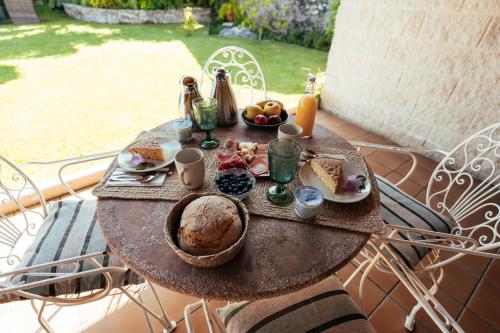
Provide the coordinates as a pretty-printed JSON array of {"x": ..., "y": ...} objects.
[{"x": 358, "y": 216}]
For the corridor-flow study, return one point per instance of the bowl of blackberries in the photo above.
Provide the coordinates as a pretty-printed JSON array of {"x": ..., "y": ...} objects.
[{"x": 235, "y": 182}]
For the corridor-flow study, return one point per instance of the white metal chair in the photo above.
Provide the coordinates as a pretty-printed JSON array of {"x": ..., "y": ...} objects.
[
  {"x": 67, "y": 280},
  {"x": 249, "y": 84},
  {"x": 245, "y": 71},
  {"x": 465, "y": 187}
]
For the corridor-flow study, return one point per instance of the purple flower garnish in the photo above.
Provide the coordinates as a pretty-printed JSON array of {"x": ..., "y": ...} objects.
[
  {"x": 354, "y": 183},
  {"x": 136, "y": 160}
]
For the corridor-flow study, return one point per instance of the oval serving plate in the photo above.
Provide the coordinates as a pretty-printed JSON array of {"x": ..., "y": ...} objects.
[
  {"x": 170, "y": 148},
  {"x": 308, "y": 177}
]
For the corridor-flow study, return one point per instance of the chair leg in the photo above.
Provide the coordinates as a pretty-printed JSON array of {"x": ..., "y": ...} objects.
[
  {"x": 191, "y": 308},
  {"x": 356, "y": 271},
  {"x": 410, "y": 319},
  {"x": 367, "y": 271},
  {"x": 168, "y": 325},
  {"x": 45, "y": 325}
]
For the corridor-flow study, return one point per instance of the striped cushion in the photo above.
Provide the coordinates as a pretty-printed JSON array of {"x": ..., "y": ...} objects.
[
  {"x": 323, "y": 307},
  {"x": 71, "y": 230},
  {"x": 399, "y": 208}
]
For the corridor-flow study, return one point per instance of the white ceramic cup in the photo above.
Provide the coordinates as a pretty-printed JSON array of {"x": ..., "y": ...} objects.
[
  {"x": 290, "y": 131},
  {"x": 190, "y": 165}
]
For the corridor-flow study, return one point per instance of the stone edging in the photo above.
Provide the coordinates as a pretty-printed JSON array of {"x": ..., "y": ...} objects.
[{"x": 134, "y": 16}]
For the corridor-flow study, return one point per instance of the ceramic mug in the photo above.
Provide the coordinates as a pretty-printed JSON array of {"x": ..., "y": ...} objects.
[
  {"x": 190, "y": 166},
  {"x": 290, "y": 131}
]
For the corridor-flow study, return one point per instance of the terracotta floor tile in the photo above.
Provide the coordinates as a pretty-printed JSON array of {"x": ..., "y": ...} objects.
[
  {"x": 330, "y": 121},
  {"x": 485, "y": 301},
  {"x": 474, "y": 264},
  {"x": 349, "y": 131},
  {"x": 378, "y": 168},
  {"x": 366, "y": 151},
  {"x": 388, "y": 159},
  {"x": 375, "y": 138},
  {"x": 471, "y": 323},
  {"x": 411, "y": 188},
  {"x": 459, "y": 281},
  {"x": 403, "y": 297},
  {"x": 372, "y": 294},
  {"x": 394, "y": 177},
  {"x": 390, "y": 317},
  {"x": 420, "y": 175},
  {"x": 426, "y": 162},
  {"x": 345, "y": 272}
]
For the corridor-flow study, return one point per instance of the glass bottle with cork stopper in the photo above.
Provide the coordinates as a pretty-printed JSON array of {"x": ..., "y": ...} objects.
[{"x": 307, "y": 109}]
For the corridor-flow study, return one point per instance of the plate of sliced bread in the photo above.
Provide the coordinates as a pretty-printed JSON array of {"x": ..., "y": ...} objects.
[
  {"x": 147, "y": 155},
  {"x": 338, "y": 180}
]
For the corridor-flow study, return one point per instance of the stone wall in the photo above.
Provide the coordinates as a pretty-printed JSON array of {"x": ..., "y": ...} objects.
[
  {"x": 420, "y": 72},
  {"x": 299, "y": 14},
  {"x": 134, "y": 16}
]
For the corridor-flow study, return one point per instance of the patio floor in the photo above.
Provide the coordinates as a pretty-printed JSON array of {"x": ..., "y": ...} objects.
[{"x": 470, "y": 290}]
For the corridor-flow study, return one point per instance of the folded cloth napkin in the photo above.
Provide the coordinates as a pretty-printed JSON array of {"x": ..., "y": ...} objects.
[{"x": 155, "y": 182}]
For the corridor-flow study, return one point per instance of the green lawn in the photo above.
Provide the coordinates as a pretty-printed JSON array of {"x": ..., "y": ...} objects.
[{"x": 69, "y": 88}]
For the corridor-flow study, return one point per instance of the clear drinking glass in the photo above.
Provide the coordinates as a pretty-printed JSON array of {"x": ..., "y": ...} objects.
[
  {"x": 283, "y": 156},
  {"x": 205, "y": 114}
]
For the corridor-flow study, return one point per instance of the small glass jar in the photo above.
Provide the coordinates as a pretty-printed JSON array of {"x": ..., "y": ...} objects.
[
  {"x": 308, "y": 199},
  {"x": 183, "y": 130}
]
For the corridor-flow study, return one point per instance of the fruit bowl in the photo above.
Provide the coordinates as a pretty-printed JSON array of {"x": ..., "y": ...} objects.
[{"x": 283, "y": 116}]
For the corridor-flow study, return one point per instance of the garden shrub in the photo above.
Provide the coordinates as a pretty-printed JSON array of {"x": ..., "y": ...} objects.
[{"x": 103, "y": 3}]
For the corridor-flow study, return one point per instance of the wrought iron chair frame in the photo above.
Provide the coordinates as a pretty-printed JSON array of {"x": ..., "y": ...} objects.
[
  {"x": 10, "y": 235},
  {"x": 379, "y": 254},
  {"x": 249, "y": 78},
  {"x": 250, "y": 74}
]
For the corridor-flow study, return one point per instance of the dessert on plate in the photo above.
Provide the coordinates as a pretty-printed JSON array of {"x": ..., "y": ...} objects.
[
  {"x": 329, "y": 170},
  {"x": 209, "y": 225},
  {"x": 148, "y": 149}
]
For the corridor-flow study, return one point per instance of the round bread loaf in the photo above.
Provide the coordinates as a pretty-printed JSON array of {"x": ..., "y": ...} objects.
[{"x": 209, "y": 225}]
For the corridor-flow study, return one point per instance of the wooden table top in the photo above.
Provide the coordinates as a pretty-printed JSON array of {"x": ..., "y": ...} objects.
[{"x": 278, "y": 257}]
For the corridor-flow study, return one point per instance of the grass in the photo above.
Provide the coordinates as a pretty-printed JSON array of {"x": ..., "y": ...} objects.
[{"x": 69, "y": 88}]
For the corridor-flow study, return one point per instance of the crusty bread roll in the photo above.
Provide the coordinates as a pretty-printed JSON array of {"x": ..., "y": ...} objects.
[{"x": 209, "y": 225}]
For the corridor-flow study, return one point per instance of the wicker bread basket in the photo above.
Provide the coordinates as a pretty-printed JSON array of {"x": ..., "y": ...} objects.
[{"x": 213, "y": 260}]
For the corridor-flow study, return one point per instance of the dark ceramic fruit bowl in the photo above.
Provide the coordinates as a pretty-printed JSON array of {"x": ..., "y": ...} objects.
[{"x": 283, "y": 116}]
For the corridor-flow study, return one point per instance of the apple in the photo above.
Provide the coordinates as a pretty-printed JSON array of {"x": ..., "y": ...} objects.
[
  {"x": 272, "y": 108},
  {"x": 274, "y": 119},
  {"x": 260, "y": 120},
  {"x": 252, "y": 111},
  {"x": 265, "y": 101}
]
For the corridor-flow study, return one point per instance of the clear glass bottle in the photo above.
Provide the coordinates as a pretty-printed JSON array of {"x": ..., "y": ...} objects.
[
  {"x": 227, "y": 109},
  {"x": 307, "y": 109}
]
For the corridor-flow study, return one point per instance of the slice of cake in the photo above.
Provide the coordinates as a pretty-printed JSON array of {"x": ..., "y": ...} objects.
[
  {"x": 148, "y": 149},
  {"x": 329, "y": 170}
]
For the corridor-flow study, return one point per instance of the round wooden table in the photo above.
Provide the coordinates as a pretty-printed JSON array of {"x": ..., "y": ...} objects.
[{"x": 278, "y": 257}]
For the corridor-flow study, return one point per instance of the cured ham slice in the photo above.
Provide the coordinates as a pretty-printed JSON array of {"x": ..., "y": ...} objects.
[
  {"x": 235, "y": 161},
  {"x": 259, "y": 165}
]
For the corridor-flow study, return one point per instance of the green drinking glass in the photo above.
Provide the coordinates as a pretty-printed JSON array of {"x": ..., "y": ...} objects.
[
  {"x": 205, "y": 114},
  {"x": 283, "y": 157}
]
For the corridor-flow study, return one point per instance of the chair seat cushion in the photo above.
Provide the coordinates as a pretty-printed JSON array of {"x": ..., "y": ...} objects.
[
  {"x": 399, "y": 208},
  {"x": 323, "y": 307},
  {"x": 71, "y": 230}
]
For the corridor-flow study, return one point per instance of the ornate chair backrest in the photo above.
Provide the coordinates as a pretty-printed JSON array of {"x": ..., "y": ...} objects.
[
  {"x": 17, "y": 193},
  {"x": 246, "y": 74},
  {"x": 466, "y": 186}
]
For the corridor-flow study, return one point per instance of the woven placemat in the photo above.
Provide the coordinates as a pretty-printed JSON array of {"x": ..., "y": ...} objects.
[{"x": 362, "y": 216}]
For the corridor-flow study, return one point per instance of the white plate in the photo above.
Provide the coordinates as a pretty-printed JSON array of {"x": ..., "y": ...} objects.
[
  {"x": 170, "y": 148},
  {"x": 308, "y": 177}
]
